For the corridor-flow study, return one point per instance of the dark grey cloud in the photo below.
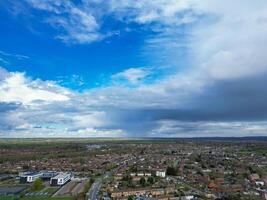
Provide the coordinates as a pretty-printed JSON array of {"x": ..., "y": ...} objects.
[
  {"x": 225, "y": 101},
  {"x": 221, "y": 107},
  {"x": 6, "y": 122},
  {"x": 5, "y": 107}
]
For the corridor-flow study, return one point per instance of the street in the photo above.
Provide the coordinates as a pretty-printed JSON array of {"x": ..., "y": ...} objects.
[{"x": 94, "y": 190}]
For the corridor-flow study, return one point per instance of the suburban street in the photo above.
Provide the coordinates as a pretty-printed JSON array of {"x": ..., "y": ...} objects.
[{"x": 94, "y": 190}]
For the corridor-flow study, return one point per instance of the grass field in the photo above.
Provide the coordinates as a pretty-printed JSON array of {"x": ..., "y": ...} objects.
[
  {"x": 51, "y": 190},
  {"x": 8, "y": 182},
  {"x": 9, "y": 197}
]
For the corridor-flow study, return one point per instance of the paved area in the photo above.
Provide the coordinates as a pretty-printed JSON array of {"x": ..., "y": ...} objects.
[
  {"x": 11, "y": 190},
  {"x": 79, "y": 188},
  {"x": 66, "y": 189}
]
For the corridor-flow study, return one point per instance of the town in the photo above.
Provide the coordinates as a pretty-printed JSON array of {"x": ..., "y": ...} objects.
[{"x": 163, "y": 169}]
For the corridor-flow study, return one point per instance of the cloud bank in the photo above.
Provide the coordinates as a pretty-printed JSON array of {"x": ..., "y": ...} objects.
[{"x": 220, "y": 92}]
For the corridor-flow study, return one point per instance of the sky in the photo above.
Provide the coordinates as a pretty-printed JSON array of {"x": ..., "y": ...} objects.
[{"x": 124, "y": 68}]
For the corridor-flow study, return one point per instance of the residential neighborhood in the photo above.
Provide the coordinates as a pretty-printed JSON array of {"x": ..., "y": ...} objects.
[{"x": 138, "y": 169}]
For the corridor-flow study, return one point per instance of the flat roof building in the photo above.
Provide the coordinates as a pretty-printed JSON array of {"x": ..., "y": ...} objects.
[
  {"x": 30, "y": 177},
  {"x": 48, "y": 174},
  {"x": 60, "y": 179}
]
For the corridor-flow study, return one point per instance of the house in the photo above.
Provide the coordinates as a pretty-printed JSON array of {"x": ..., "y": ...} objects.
[
  {"x": 189, "y": 197},
  {"x": 259, "y": 183},
  {"x": 60, "y": 179},
  {"x": 147, "y": 174},
  {"x": 29, "y": 177},
  {"x": 161, "y": 174},
  {"x": 140, "y": 174},
  {"x": 133, "y": 174},
  {"x": 254, "y": 177},
  {"x": 138, "y": 192}
]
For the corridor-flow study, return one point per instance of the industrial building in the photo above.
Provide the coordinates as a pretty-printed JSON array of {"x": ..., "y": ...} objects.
[
  {"x": 47, "y": 175},
  {"x": 29, "y": 177},
  {"x": 55, "y": 178},
  {"x": 60, "y": 179}
]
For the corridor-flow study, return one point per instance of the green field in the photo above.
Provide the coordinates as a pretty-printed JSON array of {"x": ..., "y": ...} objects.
[
  {"x": 51, "y": 190},
  {"x": 9, "y": 197},
  {"x": 8, "y": 182}
]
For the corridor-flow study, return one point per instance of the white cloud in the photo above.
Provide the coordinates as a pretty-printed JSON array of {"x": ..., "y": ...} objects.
[
  {"x": 54, "y": 133},
  {"x": 90, "y": 132},
  {"x": 233, "y": 45},
  {"x": 170, "y": 128},
  {"x": 132, "y": 75},
  {"x": 3, "y": 73},
  {"x": 81, "y": 22},
  {"x": 18, "y": 56},
  {"x": 16, "y": 88},
  {"x": 77, "y": 24},
  {"x": 74, "y": 79},
  {"x": 227, "y": 41},
  {"x": 116, "y": 111},
  {"x": 146, "y": 11}
]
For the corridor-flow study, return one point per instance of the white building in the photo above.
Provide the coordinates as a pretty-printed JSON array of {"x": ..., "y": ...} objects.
[
  {"x": 133, "y": 174},
  {"x": 29, "y": 177},
  {"x": 259, "y": 183},
  {"x": 148, "y": 174},
  {"x": 140, "y": 174},
  {"x": 188, "y": 197},
  {"x": 161, "y": 174},
  {"x": 60, "y": 179}
]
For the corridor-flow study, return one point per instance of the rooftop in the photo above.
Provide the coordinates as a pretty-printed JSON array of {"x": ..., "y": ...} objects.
[{"x": 61, "y": 175}]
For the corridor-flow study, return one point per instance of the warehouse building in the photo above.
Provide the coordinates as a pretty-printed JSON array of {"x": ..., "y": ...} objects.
[
  {"x": 29, "y": 177},
  {"x": 47, "y": 175},
  {"x": 60, "y": 179}
]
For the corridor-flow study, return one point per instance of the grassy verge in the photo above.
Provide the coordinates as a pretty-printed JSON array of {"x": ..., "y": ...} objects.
[
  {"x": 51, "y": 190},
  {"x": 8, "y": 197}
]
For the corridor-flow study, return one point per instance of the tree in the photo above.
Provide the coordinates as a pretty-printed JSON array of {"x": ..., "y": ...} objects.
[
  {"x": 171, "y": 171},
  {"x": 128, "y": 180},
  {"x": 37, "y": 185},
  {"x": 79, "y": 159},
  {"x": 25, "y": 167},
  {"x": 133, "y": 168},
  {"x": 150, "y": 180},
  {"x": 142, "y": 181}
]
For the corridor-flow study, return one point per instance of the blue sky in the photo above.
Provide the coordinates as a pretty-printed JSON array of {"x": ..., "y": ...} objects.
[
  {"x": 50, "y": 59},
  {"x": 122, "y": 68}
]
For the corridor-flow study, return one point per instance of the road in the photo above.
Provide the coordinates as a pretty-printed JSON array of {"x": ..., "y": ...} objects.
[
  {"x": 94, "y": 190},
  {"x": 92, "y": 194}
]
